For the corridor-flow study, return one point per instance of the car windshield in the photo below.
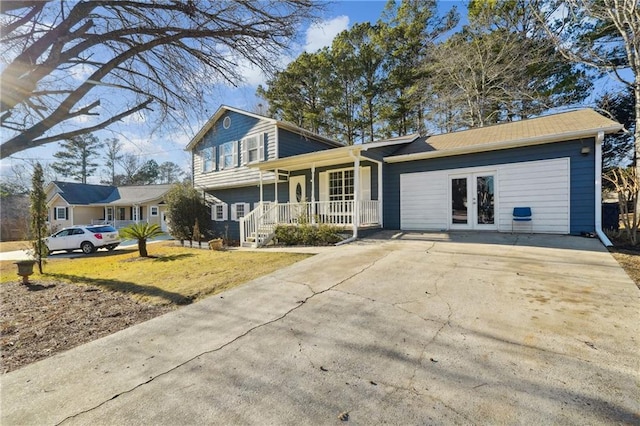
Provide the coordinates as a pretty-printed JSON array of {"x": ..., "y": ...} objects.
[{"x": 97, "y": 229}]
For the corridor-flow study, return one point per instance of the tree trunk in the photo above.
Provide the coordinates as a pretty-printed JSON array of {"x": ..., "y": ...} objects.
[{"x": 142, "y": 248}]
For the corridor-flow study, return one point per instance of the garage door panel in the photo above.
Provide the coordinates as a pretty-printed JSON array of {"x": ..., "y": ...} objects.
[
  {"x": 541, "y": 185},
  {"x": 421, "y": 201}
]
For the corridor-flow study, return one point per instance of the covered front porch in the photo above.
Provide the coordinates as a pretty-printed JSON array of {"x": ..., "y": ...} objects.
[{"x": 334, "y": 187}]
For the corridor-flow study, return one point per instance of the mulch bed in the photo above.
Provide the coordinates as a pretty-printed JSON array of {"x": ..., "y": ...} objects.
[{"x": 44, "y": 318}]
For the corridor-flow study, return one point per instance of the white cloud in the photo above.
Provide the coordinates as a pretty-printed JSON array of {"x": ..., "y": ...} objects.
[{"x": 321, "y": 34}]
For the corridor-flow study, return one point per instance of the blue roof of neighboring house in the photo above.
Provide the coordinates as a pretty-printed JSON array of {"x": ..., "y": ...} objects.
[
  {"x": 76, "y": 193},
  {"x": 83, "y": 193}
]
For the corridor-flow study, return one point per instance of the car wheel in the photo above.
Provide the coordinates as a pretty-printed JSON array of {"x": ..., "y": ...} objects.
[{"x": 87, "y": 247}]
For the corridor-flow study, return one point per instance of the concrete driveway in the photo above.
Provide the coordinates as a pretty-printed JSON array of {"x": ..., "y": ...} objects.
[{"x": 416, "y": 329}]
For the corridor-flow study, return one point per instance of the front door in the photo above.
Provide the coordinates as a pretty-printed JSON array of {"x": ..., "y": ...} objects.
[
  {"x": 298, "y": 198},
  {"x": 472, "y": 198},
  {"x": 163, "y": 221},
  {"x": 297, "y": 193}
]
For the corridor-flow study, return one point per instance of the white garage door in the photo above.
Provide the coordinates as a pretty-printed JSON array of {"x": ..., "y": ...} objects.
[{"x": 425, "y": 198}]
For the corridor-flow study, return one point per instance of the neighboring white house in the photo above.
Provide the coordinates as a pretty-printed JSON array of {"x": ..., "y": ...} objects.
[{"x": 72, "y": 203}]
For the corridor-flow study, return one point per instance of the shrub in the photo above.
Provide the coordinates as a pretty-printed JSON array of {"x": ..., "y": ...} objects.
[
  {"x": 313, "y": 235},
  {"x": 329, "y": 234}
]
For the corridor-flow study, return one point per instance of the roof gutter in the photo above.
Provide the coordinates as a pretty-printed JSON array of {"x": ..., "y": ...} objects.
[
  {"x": 598, "y": 159},
  {"x": 536, "y": 140}
]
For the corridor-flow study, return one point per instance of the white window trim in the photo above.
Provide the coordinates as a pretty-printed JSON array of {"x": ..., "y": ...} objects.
[
  {"x": 259, "y": 148},
  {"x": 234, "y": 155},
  {"x": 365, "y": 182},
  {"x": 151, "y": 209},
  {"x": 57, "y": 213},
  {"x": 234, "y": 210},
  {"x": 226, "y": 122},
  {"x": 212, "y": 159},
  {"x": 214, "y": 210}
]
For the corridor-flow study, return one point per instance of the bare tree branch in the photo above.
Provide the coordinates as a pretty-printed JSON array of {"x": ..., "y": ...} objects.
[{"x": 169, "y": 51}]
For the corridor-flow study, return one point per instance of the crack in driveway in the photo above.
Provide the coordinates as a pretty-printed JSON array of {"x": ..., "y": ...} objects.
[{"x": 235, "y": 339}]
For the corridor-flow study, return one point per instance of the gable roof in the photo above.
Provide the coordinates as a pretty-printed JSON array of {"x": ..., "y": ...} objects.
[
  {"x": 75, "y": 193},
  {"x": 136, "y": 194},
  {"x": 281, "y": 124},
  {"x": 559, "y": 127}
]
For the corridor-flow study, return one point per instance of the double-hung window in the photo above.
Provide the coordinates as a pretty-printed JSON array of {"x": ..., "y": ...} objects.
[
  {"x": 208, "y": 156},
  {"x": 341, "y": 185},
  {"x": 253, "y": 147},
  {"x": 60, "y": 213},
  {"x": 219, "y": 212},
  {"x": 239, "y": 210},
  {"x": 228, "y": 155}
]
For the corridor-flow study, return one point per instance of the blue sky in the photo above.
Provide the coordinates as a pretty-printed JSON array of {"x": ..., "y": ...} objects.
[{"x": 139, "y": 140}]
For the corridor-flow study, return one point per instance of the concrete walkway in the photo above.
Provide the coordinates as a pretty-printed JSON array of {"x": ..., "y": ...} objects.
[{"x": 400, "y": 329}]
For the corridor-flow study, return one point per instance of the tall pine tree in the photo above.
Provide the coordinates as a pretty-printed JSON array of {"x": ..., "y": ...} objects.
[{"x": 76, "y": 157}]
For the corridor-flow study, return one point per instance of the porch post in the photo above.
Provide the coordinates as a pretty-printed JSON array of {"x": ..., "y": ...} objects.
[
  {"x": 313, "y": 194},
  {"x": 380, "y": 192},
  {"x": 356, "y": 193},
  {"x": 261, "y": 189},
  {"x": 275, "y": 195}
]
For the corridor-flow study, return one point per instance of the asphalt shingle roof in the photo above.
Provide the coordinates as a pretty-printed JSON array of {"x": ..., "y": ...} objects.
[
  {"x": 82, "y": 193},
  {"x": 546, "y": 126}
]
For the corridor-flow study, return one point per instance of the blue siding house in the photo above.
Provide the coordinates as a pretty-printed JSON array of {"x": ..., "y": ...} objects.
[{"x": 262, "y": 172}]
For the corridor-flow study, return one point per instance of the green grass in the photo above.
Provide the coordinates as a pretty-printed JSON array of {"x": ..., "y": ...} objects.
[{"x": 175, "y": 275}]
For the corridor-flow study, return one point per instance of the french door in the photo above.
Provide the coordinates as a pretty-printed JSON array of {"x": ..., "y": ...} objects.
[{"x": 472, "y": 197}]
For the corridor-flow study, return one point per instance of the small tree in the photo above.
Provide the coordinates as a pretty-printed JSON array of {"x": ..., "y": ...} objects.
[
  {"x": 184, "y": 206},
  {"x": 196, "y": 233},
  {"x": 627, "y": 184},
  {"x": 38, "y": 215},
  {"x": 141, "y": 232}
]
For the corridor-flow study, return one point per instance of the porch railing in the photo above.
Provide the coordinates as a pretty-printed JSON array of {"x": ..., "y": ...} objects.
[
  {"x": 257, "y": 227},
  {"x": 115, "y": 223}
]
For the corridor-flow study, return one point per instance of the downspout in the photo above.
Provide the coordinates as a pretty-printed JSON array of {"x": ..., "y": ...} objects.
[
  {"x": 313, "y": 193},
  {"x": 598, "y": 159},
  {"x": 356, "y": 210}
]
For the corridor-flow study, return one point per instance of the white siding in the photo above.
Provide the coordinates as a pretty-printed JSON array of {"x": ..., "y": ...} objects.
[
  {"x": 541, "y": 185},
  {"x": 423, "y": 201},
  {"x": 236, "y": 176}
]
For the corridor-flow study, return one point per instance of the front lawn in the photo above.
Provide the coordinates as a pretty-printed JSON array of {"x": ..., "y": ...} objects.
[
  {"x": 174, "y": 275},
  {"x": 84, "y": 298}
]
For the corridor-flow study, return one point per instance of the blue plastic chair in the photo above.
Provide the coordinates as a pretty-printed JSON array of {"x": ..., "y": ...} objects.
[{"x": 522, "y": 214}]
